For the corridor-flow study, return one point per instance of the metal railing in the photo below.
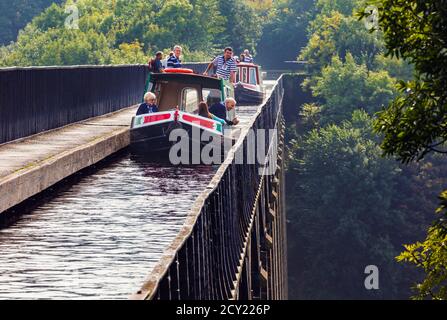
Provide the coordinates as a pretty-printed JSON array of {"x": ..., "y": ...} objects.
[{"x": 37, "y": 99}]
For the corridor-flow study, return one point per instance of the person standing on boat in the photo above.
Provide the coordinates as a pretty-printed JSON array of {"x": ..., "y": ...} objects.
[
  {"x": 164, "y": 62},
  {"x": 225, "y": 66},
  {"x": 174, "y": 61},
  {"x": 247, "y": 56},
  {"x": 222, "y": 111},
  {"x": 156, "y": 65},
  {"x": 149, "y": 105}
]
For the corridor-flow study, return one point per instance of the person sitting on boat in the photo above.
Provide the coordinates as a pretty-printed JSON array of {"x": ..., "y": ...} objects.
[
  {"x": 156, "y": 65},
  {"x": 174, "y": 61},
  {"x": 204, "y": 112},
  {"x": 149, "y": 105},
  {"x": 247, "y": 57},
  {"x": 220, "y": 110},
  {"x": 225, "y": 64}
]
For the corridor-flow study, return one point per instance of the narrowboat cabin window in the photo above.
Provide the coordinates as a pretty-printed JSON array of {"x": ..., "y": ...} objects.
[
  {"x": 244, "y": 75},
  {"x": 211, "y": 96},
  {"x": 190, "y": 100},
  {"x": 253, "y": 77}
]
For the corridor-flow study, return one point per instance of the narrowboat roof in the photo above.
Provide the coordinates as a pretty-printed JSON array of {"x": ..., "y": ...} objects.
[{"x": 192, "y": 78}]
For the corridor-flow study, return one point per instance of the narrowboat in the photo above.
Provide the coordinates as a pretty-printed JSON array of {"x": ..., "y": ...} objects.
[
  {"x": 179, "y": 92},
  {"x": 248, "y": 88}
]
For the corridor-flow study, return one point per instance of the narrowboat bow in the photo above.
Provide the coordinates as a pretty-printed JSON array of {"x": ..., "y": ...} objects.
[
  {"x": 248, "y": 89},
  {"x": 150, "y": 133}
]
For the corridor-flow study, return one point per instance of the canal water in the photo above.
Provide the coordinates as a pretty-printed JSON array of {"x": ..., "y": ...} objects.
[{"x": 99, "y": 235}]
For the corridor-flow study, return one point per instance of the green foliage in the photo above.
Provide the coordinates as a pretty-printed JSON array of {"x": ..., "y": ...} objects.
[
  {"x": 415, "y": 124},
  {"x": 343, "y": 212},
  {"x": 161, "y": 24},
  {"x": 345, "y": 7},
  {"x": 284, "y": 33},
  {"x": 128, "y": 53},
  {"x": 397, "y": 68},
  {"x": 349, "y": 206},
  {"x": 16, "y": 14},
  {"x": 59, "y": 47},
  {"x": 243, "y": 27},
  {"x": 336, "y": 35},
  {"x": 121, "y": 31},
  {"x": 345, "y": 87},
  {"x": 431, "y": 256},
  {"x": 310, "y": 117}
]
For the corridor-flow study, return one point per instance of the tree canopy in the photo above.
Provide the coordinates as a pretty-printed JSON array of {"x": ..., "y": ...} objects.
[
  {"x": 415, "y": 123},
  {"x": 16, "y": 14},
  {"x": 346, "y": 87},
  {"x": 348, "y": 205},
  {"x": 115, "y": 31}
]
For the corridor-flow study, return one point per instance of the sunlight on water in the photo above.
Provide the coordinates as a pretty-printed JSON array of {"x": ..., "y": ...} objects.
[{"x": 101, "y": 237}]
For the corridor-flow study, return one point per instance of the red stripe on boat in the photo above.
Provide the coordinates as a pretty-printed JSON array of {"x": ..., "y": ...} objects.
[
  {"x": 202, "y": 122},
  {"x": 248, "y": 85},
  {"x": 156, "y": 117}
]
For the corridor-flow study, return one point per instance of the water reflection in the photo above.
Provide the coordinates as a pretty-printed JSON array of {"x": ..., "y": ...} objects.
[{"x": 100, "y": 237}]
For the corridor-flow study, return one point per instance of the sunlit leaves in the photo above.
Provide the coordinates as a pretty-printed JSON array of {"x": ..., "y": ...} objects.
[
  {"x": 345, "y": 87},
  {"x": 415, "y": 124}
]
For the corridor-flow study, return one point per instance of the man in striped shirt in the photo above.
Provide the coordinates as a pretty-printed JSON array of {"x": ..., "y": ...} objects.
[
  {"x": 174, "y": 60},
  {"x": 225, "y": 66},
  {"x": 247, "y": 56}
]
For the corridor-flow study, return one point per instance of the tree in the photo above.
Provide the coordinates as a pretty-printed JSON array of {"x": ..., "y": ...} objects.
[
  {"x": 243, "y": 26},
  {"x": 16, "y": 14},
  {"x": 431, "y": 256},
  {"x": 137, "y": 28},
  {"x": 59, "y": 47},
  {"x": 345, "y": 7},
  {"x": 415, "y": 124},
  {"x": 284, "y": 34},
  {"x": 397, "y": 68},
  {"x": 336, "y": 35},
  {"x": 343, "y": 216},
  {"x": 345, "y": 87}
]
